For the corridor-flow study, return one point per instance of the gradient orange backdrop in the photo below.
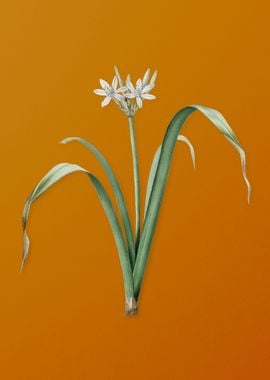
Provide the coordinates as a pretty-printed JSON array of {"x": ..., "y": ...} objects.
[{"x": 205, "y": 305}]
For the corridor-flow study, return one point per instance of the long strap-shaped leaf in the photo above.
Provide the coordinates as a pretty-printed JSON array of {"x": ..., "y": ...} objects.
[
  {"x": 117, "y": 191},
  {"x": 154, "y": 167},
  {"x": 162, "y": 171},
  {"x": 55, "y": 174}
]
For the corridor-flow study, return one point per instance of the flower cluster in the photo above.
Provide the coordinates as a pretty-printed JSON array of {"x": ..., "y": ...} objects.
[{"x": 128, "y": 97}]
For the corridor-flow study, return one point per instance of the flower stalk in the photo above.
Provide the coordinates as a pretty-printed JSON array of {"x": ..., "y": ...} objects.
[{"x": 136, "y": 181}]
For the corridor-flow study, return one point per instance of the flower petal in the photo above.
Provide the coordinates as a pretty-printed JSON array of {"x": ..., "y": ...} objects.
[
  {"x": 139, "y": 102},
  {"x": 139, "y": 83},
  {"x": 147, "y": 88},
  {"x": 117, "y": 97},
  {"x": 100, "y": 92},
  {"x": 104, "y": 84},
  {"x": 106, "y": 101},
  {"x": 129, "y": 95},
  {"x": 146, "y": 77},
  {"x": 148, "y": 96},
  {"x": 114, "y": 83},
  {"x": 130, "y": 86},
  {"x": 121, "y": 89}
]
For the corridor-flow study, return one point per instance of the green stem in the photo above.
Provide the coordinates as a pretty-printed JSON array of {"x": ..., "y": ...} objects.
[{"x": 136, "y": 180}]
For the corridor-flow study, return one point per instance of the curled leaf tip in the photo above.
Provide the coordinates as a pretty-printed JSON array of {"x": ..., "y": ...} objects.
[
  {"x": 249, "y": 192},
  {"x": 191, "y": 149},
  {"x": 26, "y": 244},
  {"x": 21, "y": 267},
  {"x": 242, "y": 155},
  {"x": 66, "y": 140}
]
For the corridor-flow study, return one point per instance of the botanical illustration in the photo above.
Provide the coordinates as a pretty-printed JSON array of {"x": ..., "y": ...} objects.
[{"x": 133, "y": 238}]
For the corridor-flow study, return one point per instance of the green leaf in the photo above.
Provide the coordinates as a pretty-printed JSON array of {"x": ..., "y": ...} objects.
[
  {"x": 55, "y": 174},
  {"x": 154, "y": 166},
  {"x": 117, "y": 192},
  {"x": 151, "y": 178},
  {"x": 161, "y": 176}
]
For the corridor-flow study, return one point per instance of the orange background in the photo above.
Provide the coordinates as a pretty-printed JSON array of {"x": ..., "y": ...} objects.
[{"x": 205, "y": 305}]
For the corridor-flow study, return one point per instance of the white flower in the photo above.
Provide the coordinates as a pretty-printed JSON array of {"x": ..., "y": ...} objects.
[
  {"x": 128, "y": 98},
  {"x": 141, "y": 91},
  {"x": 110, "y": 92}
]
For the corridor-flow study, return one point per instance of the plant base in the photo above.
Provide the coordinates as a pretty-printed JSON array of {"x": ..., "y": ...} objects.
[{"x": 131, "y": 306}]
